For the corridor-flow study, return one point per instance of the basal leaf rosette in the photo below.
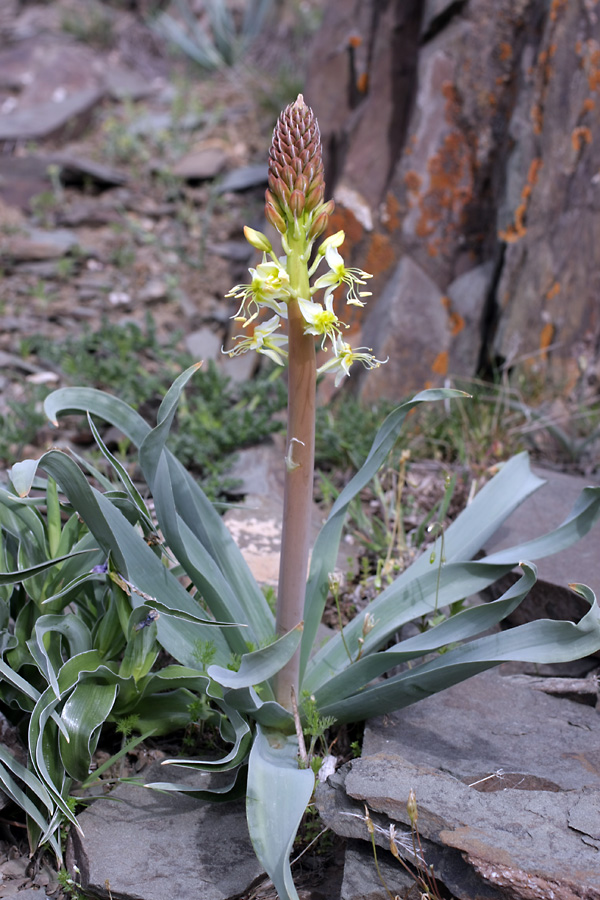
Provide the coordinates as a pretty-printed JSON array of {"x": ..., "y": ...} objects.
[{"x": 295, "y": 207}]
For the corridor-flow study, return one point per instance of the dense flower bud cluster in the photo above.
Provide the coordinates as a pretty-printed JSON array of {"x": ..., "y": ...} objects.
[{"x": 296, "y": 177}]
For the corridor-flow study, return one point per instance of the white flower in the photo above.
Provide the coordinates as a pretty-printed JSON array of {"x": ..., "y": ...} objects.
[
  {"x": 320, "y": 321},
  {"x": 269, "y": 286},
  {"x": 264, "y": 340},
  {"x": 340, "y": 274},
  {"x": 345, "y": 356}
]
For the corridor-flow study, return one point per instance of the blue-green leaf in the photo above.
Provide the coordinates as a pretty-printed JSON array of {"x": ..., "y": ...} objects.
[{"x": 277, "y": 795}]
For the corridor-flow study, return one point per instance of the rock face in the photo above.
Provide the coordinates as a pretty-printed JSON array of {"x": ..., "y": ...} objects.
[
  {"x": 507, "y": 784},
  {"x": 460, "y": 145}
]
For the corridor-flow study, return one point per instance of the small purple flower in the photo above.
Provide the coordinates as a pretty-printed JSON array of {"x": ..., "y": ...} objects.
[{"x": 102, "y": 569}]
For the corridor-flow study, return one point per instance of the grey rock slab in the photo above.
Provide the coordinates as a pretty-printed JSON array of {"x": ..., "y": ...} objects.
[
  {"x": 244, "y": 178},
  {"x": 155, "y": 122},
  {"x": 345, "y": 815},
  {"x": 123, "y": 83},
  {"x": 46, "y": 120},
  {"x": 467, "y": 295},
  {"x": 493, "y": 722},
  {"x": 160, "y": 846},
  {"x": 204, "y": 344},
  {"x": 546, "y": 509},
  {"x": 361, "y": 881},
  {"x": 507, "y": 781},
  {"x": 437, "y": 11},
  {"x": 79, "y": 169},
  {"x": 200, "y": 165},
  {"x": 22, "y": 178},
  {"x": 37, "y": 244},
  {"x": 238, "y": 251},
  {"x": 26, "y": 894}
]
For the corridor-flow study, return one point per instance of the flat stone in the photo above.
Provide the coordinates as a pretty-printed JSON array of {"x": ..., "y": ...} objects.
[
  {"x": 239, "y": 368},
  {"x": 158, "y": 846},
  {"x": 244, "y": 178},
  {"x": 201, "y": 165},
  {"x": 26, "y": 894},
  {"x": 239, "y": 251},
  {"x": 37, "y": 244},
  {"x": 156, "y": 122},
  {"x": 361, "y": 881},
  {"x": 204, "y": 344},
  {"x": 123, "y": 83},
  {"x": 507, "y": 784},
  {"x": 22, "y": 178},
  {"x": 153, "y": 291},
  {"x": 47, "y": 120},
  {"x": 79, "y": 170},
  {"x": 546, "y": 509}
]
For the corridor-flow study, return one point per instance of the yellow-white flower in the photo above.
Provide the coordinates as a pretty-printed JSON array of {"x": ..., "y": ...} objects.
[
  {"x": 320, "y": 321},
  {"x": 340, "y": 274},
  {"x": 270, "y": 285},
  {"x": 345, "y": 356},
  {"x": 264, "y": 340}
]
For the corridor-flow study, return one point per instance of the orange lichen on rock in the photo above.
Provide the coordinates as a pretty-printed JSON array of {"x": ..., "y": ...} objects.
[
  {"x": 362, "y": 83},
  {"x": 553, "y": 291},
  {"x": 517, "y": 230},
  {"x": 534, "y": 170},
  {"x": 537, "y": 118},
  {"x": 546, "y": 338},
  {"x": 456, "y": 322},
  {"x": 555, "y": 8},
  {"x": 413, "y": 181},
  {"x": 380, "y": 255},
  {"x": 505, "y": 51},
  {"x": 390, "y": 214},
  {"x": 588, "y": 105},
  {"x": 450, "y": 186},
  {"x": 440, "y": 363},
  {"x": 355, "y": 40},
  {"x": 343, "y": 219},
  {"x": 580, "y": 136}
]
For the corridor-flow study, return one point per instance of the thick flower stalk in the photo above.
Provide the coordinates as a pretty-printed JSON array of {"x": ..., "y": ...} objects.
[{"x": 295, "y": 206}]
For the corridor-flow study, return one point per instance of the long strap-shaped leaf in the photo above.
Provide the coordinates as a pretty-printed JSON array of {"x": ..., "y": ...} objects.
[
  {"x": 419, "y": 589},
  {"x": 135, "y": 561},
  {"x": 325, "y": 550},
  {"x": 460, "y": 627},
  {"x": 84, "y": 714},
  {"x": 260, "y": 666},
  {"x": 24, "y": 574},
  {"x": 161, "y": 469},
  {"x": 277, "y": 795},
  {"x": 191, "y": 503},
  {"x": 198, "y": 563},
  {"x": 541, "y": 641}
]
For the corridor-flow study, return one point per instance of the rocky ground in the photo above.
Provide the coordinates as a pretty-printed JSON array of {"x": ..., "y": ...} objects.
[{"x": 126, "y": 176}]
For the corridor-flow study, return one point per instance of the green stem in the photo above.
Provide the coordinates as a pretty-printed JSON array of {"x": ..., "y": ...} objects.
[{"x": 298, "y": 492}]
